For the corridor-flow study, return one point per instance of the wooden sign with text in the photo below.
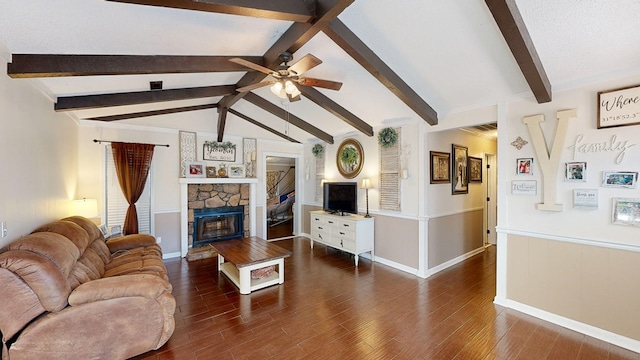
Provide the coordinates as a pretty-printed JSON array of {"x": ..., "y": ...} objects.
[{"x": 619, "y": 107}]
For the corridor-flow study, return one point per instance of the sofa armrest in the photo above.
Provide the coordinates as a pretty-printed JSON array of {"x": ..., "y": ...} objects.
[
  {"x": 144, "y": 285},
  {"x": 128, "y": 242}
]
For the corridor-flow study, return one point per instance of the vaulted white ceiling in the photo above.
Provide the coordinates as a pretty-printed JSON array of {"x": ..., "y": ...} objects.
[{"x": 451, "y": 53}]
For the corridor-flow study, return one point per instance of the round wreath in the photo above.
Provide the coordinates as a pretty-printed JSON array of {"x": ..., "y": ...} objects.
[
  {"x": 387, "y": 137},
  {"x": 317, "y": 150}
]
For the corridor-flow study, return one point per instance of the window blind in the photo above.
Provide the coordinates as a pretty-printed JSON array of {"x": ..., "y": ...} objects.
[
  {"x": 390, "y": 176},
  {"x": 319, "y": 175},
  {"x": 116, "y": 205}
]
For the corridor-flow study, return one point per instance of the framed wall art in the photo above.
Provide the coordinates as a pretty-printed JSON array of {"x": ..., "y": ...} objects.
[
  {"x": 440, "y": 167},
  {"x": 195, "y": 169},
  {"x": 188, "y": 142},
  {"x": 475, "y": 169},
  {"x": 219, "y": 151},
  {"x": 575, "y": 172},
  {"x": 619, "y": 107},
  {"x": 350, "y": 158},
  {"x": 622, "y": 179},
  {"x": 236, "y": 171},
  {"x": 626, "y": 211},
  {"x": 524, "y": 166},
  {"x": 460, "y": 182}
]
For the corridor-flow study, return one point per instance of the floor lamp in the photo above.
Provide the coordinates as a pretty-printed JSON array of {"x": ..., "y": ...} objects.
[{"x": 366, "y": 184}]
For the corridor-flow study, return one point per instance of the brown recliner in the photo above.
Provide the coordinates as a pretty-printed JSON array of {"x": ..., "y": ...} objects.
[{"x": 66, "y": 294}]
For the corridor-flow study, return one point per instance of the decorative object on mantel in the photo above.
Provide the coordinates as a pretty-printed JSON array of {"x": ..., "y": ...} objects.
[
  {"x": 619, "y": 107},
  {"x": 350, "y": 158},
  {"x": 216, "y": 151},
  {"x": 366, "y": 185},
  {"x": 222, "y": 172},
  {"x": 195, "y": 169},
  {"x": 236, "y": 171},
  {"x": 187, "y": 150},
  {"x": 519, "y": 142},
  {"x": 212, "y": 172},
  {"x": 249, "y": 149},
  {"x": 317, "y": 150},
  {"x": 387, "y": 137}
]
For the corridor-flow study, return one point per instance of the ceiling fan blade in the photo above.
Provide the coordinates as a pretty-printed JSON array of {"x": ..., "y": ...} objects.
[
  {"x": 306, "y": 63},
  {"x": 251, "y": 65},
  {"x": 327, "y": 84},
  {"x": 254, "y": 86}
]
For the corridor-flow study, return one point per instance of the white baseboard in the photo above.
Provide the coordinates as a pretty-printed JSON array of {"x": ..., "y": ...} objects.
[
  {"x": 589, "y": 330},
  {"x": 396, "y": 265},
  {"x": 171, "y": 255},
  {"x": 454, "y": 261}
]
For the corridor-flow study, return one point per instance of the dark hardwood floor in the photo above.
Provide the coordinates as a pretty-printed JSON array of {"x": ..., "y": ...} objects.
[{"x": 329, "y": 309}]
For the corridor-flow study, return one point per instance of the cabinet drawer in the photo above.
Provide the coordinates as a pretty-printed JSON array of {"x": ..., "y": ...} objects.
[
  {"x": 344, "y": 234},
  {"x": 347, "y": 225},
  {"x": 330, "y": 222},
  {"x": 346, "y": 244}
]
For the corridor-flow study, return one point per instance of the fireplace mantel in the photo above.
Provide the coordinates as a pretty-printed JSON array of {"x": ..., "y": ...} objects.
[{"x": 184, "y": 204}]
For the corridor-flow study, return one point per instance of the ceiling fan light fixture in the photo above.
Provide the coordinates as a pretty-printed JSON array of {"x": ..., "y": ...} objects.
[
  {"x": 279, "y": 89},
  {"x": 291, "y": 89}
]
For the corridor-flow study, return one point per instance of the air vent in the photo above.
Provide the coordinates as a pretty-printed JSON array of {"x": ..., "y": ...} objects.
[{"x": 155, "y": 85}]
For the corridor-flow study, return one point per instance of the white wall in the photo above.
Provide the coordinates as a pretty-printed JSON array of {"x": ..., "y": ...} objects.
[{"x": 38, "y": 158}]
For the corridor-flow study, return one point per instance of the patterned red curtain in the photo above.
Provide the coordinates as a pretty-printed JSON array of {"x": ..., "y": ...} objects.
[{"x": 132, "y": 162}]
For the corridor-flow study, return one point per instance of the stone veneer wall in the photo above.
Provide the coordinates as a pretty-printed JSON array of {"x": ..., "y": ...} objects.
[{"x": 207, "y": 196}]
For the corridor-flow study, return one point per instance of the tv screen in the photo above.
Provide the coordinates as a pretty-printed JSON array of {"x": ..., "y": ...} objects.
[{"x": 340, "y": 197}]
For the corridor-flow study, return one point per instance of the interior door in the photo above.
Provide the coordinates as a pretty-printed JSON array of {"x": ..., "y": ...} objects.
[
  {"x": 281, "y": 191},
  {"x": 491, "y": 204}
]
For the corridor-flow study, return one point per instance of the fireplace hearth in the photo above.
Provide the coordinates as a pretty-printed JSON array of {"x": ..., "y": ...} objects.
[{"x": 217, "y": 224}]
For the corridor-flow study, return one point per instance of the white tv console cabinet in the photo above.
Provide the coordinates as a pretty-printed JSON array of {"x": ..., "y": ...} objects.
[{"x": 350, "y": 233}]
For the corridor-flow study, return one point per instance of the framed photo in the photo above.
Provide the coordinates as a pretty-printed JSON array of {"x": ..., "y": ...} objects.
[
  {"x": 524, "y": 166},
  {"x": 104, "y": 230},
  {"x": 475, "y": 169},
  {"x": 236, "y": 171},
  {"x": 115, "y": 230},
  {"x": 619, "y": 107},
  {"x": 212, "y": 172},
  {"x": 575, "y": 172},
  {"x": 460, "y": 182},
  {"x": 440, "y": 167},
  {"x": 195, "y": 169},
  {"x": 626, "y": 211},
  {"x": 349, "y": 158},
  {"x": 621, "y": 179}
]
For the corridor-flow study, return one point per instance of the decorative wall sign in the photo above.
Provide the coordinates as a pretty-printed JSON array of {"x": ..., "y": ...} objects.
[
  {"x": 614, "y": 145},
  {"x": 575, "y": 172},
  {"x": 475, "y": 169},
  {"x": 622, "y": 179},
  {"x": 619, "y": 107},
  {"x": 187, "y": 141},
  {"x": 460, "y": 183},
  {"x": 350, "y": 158},
  {"x": 440, "y": 167},
  {"x": 524, "y": 166},
  {"x": 519, "y": 142},
  {"x": 585, "y": 198},
  {"x": 216, "y": 151},
  {"x": 249, "y": 149},
  {"x": 524, "y": 187},
  {"x": 626, "y": 211}
]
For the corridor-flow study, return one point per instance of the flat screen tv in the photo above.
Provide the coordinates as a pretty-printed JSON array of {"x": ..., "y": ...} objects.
[{"x": 340, "y": 197}]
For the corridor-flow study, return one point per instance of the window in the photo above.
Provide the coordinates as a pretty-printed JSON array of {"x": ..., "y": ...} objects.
[{"x": 116, "y": 205}]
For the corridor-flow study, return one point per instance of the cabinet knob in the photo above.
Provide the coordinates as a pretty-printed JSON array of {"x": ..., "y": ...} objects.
[
  {"x": 341, "y": 233},
  {"x": 330, "y": 222}
]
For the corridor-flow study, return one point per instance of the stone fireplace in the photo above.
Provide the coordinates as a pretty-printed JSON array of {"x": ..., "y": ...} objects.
[{"x": 217, "y": 208}]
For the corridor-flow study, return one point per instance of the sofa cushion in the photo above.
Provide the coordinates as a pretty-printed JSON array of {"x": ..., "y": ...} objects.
[{"x": 68, "y": 229}]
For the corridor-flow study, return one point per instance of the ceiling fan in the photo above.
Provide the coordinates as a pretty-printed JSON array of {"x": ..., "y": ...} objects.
[{"x": 286, "y": 76}]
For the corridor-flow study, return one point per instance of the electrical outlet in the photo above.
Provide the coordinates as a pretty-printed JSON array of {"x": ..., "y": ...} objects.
[{"x": 158, "y": 239}]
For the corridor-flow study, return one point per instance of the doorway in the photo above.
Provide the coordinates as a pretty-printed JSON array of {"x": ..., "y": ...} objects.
[{"x": 280, "y": 196}]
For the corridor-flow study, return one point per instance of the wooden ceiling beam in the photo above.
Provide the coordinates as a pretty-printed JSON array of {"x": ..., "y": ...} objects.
[
  {"x": 514, "y": 31},
  {"x": 289, "y": 10},
  {"x": 222, "y": 120},
  {"x": 262, "y": 126},
  {"x": 359, "y": 51},
  {"x": 293, "y": 39},
  {"x": 269, "y": 107},
  {"x": 345, "y": 115},
  {"x": 153, "y": 113},
  {"x": 67, "y": 103},
  {"x": 50, "y": 65}
]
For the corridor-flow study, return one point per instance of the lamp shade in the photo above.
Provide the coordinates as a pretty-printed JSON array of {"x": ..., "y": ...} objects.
[
  {"x": 86, "y": 207},
  {"x": 366, "y": 184}
]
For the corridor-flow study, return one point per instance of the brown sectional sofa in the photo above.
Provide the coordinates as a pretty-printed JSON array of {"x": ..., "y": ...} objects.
[{"x": 65, "y": 293}]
